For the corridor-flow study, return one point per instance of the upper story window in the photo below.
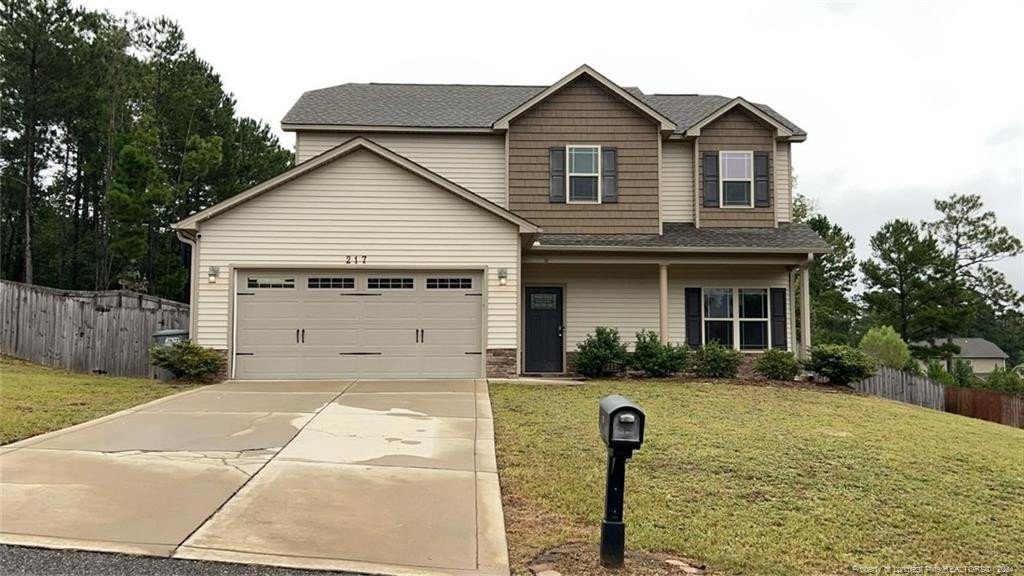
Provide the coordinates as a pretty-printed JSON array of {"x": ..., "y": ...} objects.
[
  {"x": 737, "y": 169},
  {"x": 584, "y": 174}
]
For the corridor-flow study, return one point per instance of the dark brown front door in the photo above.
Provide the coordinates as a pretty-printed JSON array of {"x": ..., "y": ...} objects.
[{"x": 544, "y": 330}]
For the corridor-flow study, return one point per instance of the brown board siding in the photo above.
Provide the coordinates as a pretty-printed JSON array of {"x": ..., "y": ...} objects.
[
  {"x": 584, "y": 113},
  {"x": 737, "y": 130}
]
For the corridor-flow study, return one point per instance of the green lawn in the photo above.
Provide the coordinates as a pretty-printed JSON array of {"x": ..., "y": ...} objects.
[
  {"x": 36, "y": 399},
  {"x": 763, "y": 480}
]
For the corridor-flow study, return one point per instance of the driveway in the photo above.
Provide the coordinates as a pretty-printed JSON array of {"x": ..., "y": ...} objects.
[{"x": 393, "y": 477}]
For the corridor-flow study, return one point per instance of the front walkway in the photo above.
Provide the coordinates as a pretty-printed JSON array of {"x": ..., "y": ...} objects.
[{"x": 393, "y": 477}]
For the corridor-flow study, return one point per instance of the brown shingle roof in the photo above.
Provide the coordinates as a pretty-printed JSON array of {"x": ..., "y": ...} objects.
[
  {"x": 468, "y": 106},
  {"x": 787, "y": 237}
]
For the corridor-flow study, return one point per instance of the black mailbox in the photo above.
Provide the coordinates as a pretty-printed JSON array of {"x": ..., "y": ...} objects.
[
  {"x": 621, "y": 423},
  {"x": 622, "y": 428}
]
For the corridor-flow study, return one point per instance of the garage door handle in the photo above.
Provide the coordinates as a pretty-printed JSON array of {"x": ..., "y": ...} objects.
[
  {"x": 303, "y": 335},
  {"x": 296, "y": 335},
  {"x": 417, "y": 335},
  {"x": 423, "y": 335}
]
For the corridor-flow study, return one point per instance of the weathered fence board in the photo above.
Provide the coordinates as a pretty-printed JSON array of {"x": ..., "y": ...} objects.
[
  {"x": 991, "y": 405},
  {"x": 898, "y": 385},
  {"x": 102, "y": 332}
]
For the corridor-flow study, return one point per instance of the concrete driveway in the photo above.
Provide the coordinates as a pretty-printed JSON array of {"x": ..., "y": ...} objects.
[{"x": 394, "y": 477}]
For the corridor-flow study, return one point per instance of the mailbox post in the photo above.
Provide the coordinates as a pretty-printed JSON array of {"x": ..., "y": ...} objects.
[{"x": 622, "y": 429}]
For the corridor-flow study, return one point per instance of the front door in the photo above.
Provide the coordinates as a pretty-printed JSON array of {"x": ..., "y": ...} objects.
[{"x": 544, "y": 330}]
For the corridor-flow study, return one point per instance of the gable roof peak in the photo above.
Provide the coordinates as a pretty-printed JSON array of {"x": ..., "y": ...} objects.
[
  {"x": 664, "y": 122},
  {"x": 345, "y": 148}
]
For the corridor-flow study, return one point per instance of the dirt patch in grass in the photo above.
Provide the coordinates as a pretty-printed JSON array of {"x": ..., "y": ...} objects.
[{"x": 36, "y": 399}]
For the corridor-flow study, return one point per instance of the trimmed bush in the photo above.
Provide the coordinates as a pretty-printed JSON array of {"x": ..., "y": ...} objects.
[
  {"x": 841, "y": 364},
  {"x": 776, "y": 364},
  {"x": 713, "y": 360},
  {"x": 655, "y": 359},
  {"x": 188, "y": 360},
  {"x": 1004, "y": 379},
  {"x": 936, "y": 372},
  {"x": 601, "y": 353},
  {"x": 887, "y": 348}
]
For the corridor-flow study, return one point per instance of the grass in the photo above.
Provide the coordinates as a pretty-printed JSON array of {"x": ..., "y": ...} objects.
[
  {"x": 764, "y": 480},
  {"x": 35, "y": 399}
]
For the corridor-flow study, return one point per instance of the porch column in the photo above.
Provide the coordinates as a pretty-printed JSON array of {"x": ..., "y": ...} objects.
[
  {"x": 663, "y": 302},
  {"x": 805, "y": 308}
]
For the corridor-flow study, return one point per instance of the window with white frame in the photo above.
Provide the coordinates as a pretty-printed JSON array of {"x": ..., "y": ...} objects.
[
  {"x": 718, "y": 317},
  {"x": 753, "y": 305},
  {"x": 584, "y": 174},
  {"x": 737, "y": 169}
]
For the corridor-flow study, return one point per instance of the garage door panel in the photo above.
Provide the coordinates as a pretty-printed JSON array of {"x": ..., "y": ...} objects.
[
  {"x": 442, "y": 339},
  {"x": 331, "y": 311},
  {"x": 352, "y": 330},
  {"x": 336, "y": 339},
  {"x": 266, "y": 367},
  {"x": 251, "y": 339},
  {"x": 329, "y": 366},
  {"x": 466, "y": 366},
  {"x": 395, "y": 366},
  {"x": 375, "y": 339}
]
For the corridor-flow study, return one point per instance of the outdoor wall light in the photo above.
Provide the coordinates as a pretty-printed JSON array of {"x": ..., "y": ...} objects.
[
  {"x": 502, "y": 276},
  {"x": 214, "y": 272}
]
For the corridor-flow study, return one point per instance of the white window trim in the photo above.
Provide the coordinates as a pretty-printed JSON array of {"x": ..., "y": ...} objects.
[
  {"x": 569, "y": 174},
  {"x": 767, "y": 320},
  {"x": 736, "y": 317},
  {"x": 722, "y": 179}
]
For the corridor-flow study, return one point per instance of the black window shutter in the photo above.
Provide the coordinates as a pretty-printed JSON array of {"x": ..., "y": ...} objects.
[
  {"x": 556, "y": 175},
  {"x": 693, "y": 317},
  {"x": 762, "y": 180},
  {"x": 609, "y": 176},
  {"x": 778, "y": 317},
  {"x": 710, "y": 179}
]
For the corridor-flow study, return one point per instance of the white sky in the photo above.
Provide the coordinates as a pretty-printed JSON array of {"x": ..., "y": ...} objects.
[{"x": 903, "y": 101}]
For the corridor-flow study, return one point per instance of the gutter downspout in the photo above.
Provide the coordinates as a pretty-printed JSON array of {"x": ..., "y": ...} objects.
[{"x": 193, "y": 241}]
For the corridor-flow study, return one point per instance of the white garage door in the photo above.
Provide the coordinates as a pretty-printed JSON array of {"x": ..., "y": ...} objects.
[{"x": 384, "y": 324}]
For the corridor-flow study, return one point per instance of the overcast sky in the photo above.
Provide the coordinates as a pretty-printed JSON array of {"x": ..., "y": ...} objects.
[{"x": 903, "y": 101}]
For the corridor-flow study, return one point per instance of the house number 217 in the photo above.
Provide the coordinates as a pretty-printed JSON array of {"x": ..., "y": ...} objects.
[{"x": 355, "y": 259}]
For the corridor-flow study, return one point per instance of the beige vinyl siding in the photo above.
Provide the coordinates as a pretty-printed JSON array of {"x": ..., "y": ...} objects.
[
  {"x": 783, "y": 183},
  {"x": 357, "y": 205},
  {"x": 474, "y": 161},
  {"x": 677, "y": 181},
  {"x": 986, "y": 365},
  {"x": 626, "y": 297}
]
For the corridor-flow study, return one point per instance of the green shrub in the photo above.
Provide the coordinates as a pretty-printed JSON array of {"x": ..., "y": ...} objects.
[
  {"x": 1005, "y": 379},
  {"x": 716, "y": 361},
  {"x": 655, "y": 359},
  {"x": 841, "y": 364},
  {"x": 777, "y": 364},
  {"x": 188, "y": 360},
  {"x": 887, "y": 348},
  {"x": 601, "y": 353},
  {"x": 963, "y": 374},
  {"x": 936, "y": 372}
]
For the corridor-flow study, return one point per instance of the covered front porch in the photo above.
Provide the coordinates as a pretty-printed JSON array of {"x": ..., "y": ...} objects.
[{"x": 748, "y": 302}]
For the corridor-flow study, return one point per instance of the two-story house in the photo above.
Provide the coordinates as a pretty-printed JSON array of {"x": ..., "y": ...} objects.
[{"x": 469, "y": 231}]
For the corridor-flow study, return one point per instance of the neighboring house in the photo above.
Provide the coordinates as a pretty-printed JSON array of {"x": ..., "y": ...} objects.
[
  {"x": 468, "y": 231},
  {"x": 982, "y": 355}
]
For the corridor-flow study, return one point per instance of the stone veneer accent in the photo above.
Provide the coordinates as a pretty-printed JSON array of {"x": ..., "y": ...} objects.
[{"x": 501, "y": 363}]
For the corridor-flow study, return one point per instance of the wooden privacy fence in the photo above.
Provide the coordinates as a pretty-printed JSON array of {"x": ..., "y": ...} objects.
[
  {"x": 102, "y": 332},
  {"x": 991, "y": 405},
  {"x": 898, "y": 385}
]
